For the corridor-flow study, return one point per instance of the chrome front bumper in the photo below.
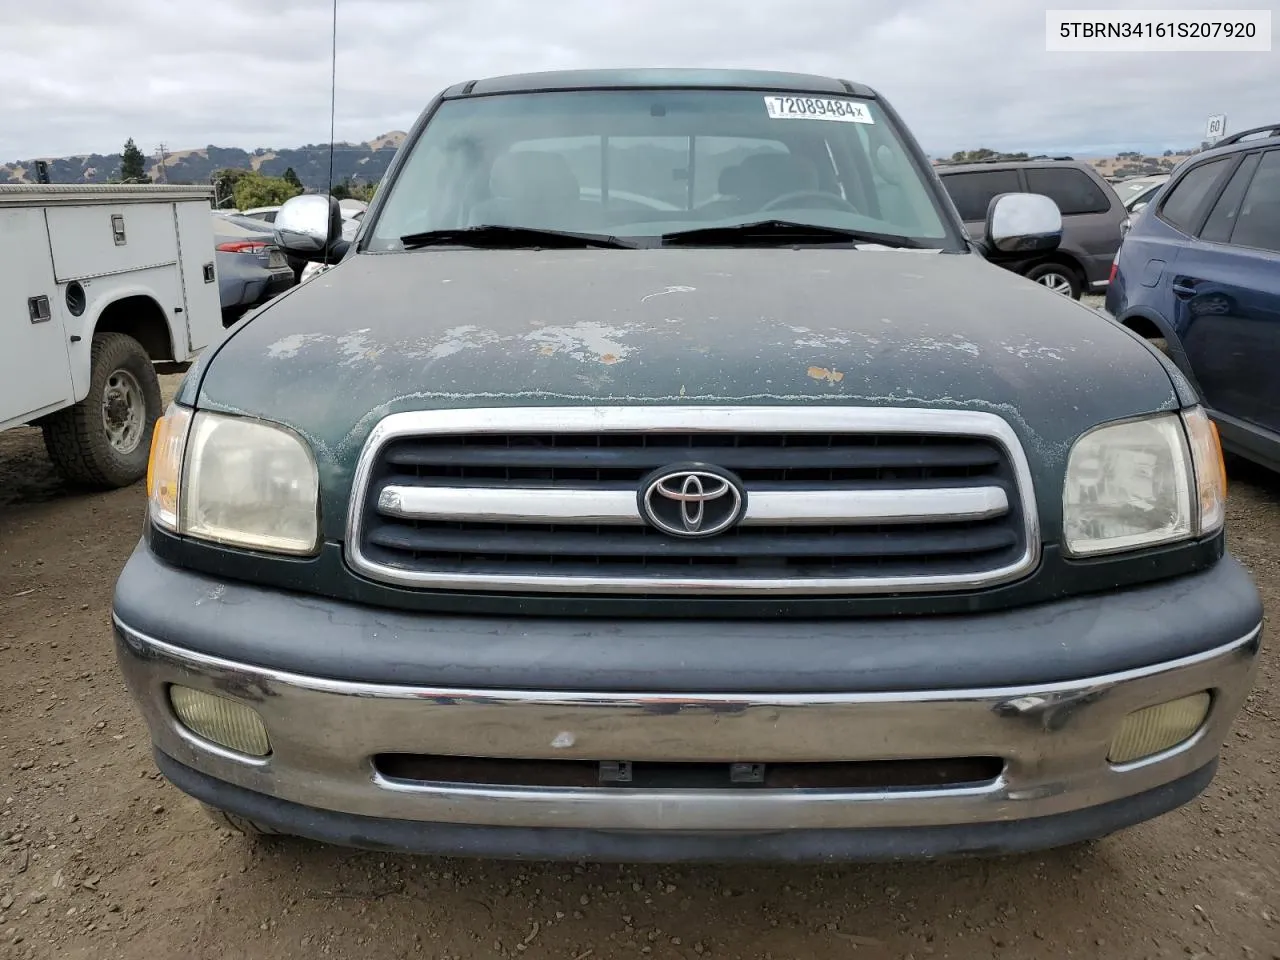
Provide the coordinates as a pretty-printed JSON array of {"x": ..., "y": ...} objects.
[{"x": 1052, "y": 738}]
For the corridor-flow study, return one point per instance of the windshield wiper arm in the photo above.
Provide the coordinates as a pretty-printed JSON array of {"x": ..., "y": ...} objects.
[
  {"x": 502, "y": 237},
  {"x": 784, "y": 232}
]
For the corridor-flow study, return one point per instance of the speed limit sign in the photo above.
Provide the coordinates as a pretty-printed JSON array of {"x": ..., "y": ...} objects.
[{"x": 1216, "y": 127}]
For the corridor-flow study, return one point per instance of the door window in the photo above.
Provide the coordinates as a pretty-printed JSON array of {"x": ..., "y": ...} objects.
[
  {"x": 1222, "y": 219},
  {"x": 1258, "y": 224},
  {"x": 972, "y": 193}
]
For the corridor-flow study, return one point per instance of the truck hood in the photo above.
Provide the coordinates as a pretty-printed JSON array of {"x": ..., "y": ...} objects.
[{"x": 382, "y": 333}]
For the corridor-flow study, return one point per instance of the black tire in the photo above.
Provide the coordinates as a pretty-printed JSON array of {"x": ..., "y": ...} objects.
[
  {"x": 241, "y": 825},
  {"x": 1044, "y": 273},
  {"x": 77, "y": 437}
]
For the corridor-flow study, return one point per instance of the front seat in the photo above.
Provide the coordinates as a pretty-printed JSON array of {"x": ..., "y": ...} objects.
[{"x": 531, "y": 188}]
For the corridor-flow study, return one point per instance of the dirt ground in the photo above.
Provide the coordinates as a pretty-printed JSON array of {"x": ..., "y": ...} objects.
[{"x": 100, "y": 858}]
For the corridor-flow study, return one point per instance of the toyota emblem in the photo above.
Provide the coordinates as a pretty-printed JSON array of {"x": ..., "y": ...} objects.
[{"x": 697, "y": 500}]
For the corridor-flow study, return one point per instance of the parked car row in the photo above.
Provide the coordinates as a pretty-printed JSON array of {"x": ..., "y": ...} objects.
[
  {"x": 251, "y": 268},
  {"x": 1198, "y": 275},
  {"x": 1093, "y": 216}
]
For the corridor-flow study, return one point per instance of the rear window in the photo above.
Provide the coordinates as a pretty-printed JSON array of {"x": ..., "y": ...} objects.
[
  {"x": 1184, "y": 203},
  {"x": 1074, "y": 191},
  {"x": 972, "y": 193}
]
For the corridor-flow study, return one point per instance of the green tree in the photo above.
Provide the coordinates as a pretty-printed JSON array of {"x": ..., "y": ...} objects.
[
  {"x": 291, "y": 177},
  {"x": 340, "y": 191},
  {"x": 224, "y": 184},
  {"x": 133, "y": 164},
  {"x": 252, "y": 189}
]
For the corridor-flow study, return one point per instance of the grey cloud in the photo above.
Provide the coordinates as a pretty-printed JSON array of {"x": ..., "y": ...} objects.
[{"x": 80, "y": 76}]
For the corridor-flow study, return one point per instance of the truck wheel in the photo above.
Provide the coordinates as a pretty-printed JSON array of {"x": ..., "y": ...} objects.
[
  {"x": 1058, "y": 278},
  {"x": 242, "y": 825},
  {"x": 105, "y": 439}
]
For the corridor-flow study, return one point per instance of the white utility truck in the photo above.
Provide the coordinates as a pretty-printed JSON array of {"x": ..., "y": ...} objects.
[{"x": 101, "y": 287}]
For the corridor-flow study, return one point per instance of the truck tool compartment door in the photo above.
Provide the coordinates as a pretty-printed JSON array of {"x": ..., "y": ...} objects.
[
  {"x": 35, "y": 372},
  {"x": 198, "y": 274}
]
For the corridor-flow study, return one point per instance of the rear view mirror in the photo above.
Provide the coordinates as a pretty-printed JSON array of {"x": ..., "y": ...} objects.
[
  {"x": 309, "y": 226},
  {"x": 1023, "y": 223}
]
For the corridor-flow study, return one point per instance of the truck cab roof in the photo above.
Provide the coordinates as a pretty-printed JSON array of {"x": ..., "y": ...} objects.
[{"x": 650, "y": 77}]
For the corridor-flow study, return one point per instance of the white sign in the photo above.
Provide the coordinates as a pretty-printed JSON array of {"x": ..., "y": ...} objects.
[
  {"x": 817, "y": 108},
  {"x": 1216, "y": 127}
]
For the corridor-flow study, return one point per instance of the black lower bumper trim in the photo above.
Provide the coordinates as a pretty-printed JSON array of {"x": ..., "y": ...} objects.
[{"x": 879, "y": 844}]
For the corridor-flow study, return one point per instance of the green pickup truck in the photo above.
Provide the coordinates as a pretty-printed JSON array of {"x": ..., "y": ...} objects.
[{"x": 663, "y": 473}]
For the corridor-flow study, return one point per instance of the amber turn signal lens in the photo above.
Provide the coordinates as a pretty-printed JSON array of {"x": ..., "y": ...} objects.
[
  {"x": 1209, "y": 467},
  {"x": 164, "y": 467}
]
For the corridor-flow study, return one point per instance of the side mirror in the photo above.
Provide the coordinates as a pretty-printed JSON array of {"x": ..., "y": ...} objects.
[
  {"x": 309, "y": 226},
  {"x": 1023, "y": 223},
  {"x": 1125, "y": 224}
]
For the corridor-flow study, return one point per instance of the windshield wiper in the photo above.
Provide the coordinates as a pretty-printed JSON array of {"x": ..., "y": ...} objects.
[
  {"x": 500, "y": 237},
  {"x": 783, "y": 232}
]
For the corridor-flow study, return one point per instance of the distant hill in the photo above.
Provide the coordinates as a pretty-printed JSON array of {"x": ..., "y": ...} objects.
[{"x": 363, "y": 161}]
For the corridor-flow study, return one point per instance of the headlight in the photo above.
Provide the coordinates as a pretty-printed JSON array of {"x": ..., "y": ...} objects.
[
  {"x": 234, "y": 480},
  {"x": 1142, "y": 483}
]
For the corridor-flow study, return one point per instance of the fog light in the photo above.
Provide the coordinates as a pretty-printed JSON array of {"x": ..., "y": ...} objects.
[
  {"x": 1150, "y": 730},
  {"x": 224, "y": 722}
]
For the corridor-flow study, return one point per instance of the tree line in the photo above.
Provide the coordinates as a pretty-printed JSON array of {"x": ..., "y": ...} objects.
[{"x": 241, "y": 188}]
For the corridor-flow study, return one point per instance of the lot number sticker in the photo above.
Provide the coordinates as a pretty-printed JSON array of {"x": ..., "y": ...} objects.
[{"x": 817, "y": 108}]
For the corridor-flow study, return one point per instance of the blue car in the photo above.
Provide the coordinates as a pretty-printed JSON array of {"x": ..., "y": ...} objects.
[{"x": 1198, "y": 274}]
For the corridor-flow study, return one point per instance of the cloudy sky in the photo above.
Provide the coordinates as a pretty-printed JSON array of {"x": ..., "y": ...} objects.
[{"x": 79, "y": 76}]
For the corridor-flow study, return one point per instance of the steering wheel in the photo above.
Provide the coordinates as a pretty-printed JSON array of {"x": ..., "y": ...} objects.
[{"x": 826, "y": 199}]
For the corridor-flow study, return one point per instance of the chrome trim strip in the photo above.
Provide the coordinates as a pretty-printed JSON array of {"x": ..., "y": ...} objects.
[
  {"x": 1018, "y": 697},
  {"x": 511, "y": 505},
  {"x": 852, "y": 507},
  {"x": 790, "y": 507},
  {"x": 691, "y": 419}
]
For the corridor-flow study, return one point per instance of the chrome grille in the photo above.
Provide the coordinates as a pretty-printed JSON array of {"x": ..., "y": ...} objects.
[{"x": 839, "y": 500}]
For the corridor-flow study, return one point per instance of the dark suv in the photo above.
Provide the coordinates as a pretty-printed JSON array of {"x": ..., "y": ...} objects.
[
  {"x": 1092, "y": 216},
  {"x": 662, "y": 474},
  {"x": 1199, "y": 274}
]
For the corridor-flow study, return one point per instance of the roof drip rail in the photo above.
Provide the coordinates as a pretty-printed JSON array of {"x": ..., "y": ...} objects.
[
  {"x": 1271, "y": 130},
  {"x": 965, "y": 163}
]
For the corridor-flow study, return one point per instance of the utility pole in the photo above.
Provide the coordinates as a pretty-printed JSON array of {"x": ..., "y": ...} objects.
[{"x": 162, "y": 155}]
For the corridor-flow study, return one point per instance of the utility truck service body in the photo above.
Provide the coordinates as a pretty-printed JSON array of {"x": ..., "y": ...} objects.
[{"x": 99, "y": 284}]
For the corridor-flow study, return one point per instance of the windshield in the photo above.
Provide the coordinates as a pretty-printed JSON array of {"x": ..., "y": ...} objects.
[{"x": 644, "y": 163}]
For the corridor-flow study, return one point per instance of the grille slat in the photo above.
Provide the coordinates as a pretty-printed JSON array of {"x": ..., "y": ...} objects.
[
  {"x": 484, "y": 539},
  {"x": 513, "y": 507},
  {"x": 440, "y": 457}
]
